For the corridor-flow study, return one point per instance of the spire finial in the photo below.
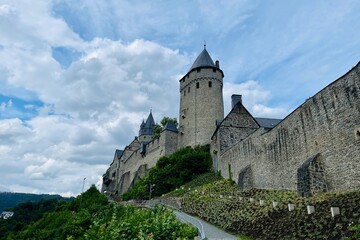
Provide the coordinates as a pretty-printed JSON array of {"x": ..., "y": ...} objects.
[
  {"x": 150, "y": 109},
  {"x": 204, "y": 44}
]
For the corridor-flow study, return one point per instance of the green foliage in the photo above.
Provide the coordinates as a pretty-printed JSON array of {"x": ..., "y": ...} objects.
[
  {"x": 355, "y": 229},
  {"x": 201, "y": 180},
  {"x": 92, "y": 200},
  {"x": 9, "y": 200},
  {"x": 166, "y": 119},
  {"x": 158, "y": 128},
  {"x": 53, "y": 219},
  {"x": 89, "y": 216},
  {"x": 172, "y": 172},
  {"x": 26, "y": 213},
  {"x": 221, "y": 204},
  {"x": 127, "y": 222}
]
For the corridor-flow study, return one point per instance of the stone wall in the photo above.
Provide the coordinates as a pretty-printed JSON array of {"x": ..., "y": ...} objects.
[
  {"x": 201, "y": 104},
  {"x": 137, "y": 164},
  {"x": 327, "y": 124}
]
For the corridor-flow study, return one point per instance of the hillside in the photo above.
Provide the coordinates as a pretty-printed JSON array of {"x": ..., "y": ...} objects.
[
  {"x": 91, "y": 216},
  {"x": 252, "y": 212},
  {"x": 9, "y": 200}
]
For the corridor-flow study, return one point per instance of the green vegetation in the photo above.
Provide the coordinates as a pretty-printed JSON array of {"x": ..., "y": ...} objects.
[
  {"x": 90, "y": 216},
  {"x": 9, "y": 200},
  {"x": 221, "y": 204},
  {"x": 158, "y": 128},
  {"x": 53, "y": 219},
  {"x": 127, "y": 222},
  {"x": 172, "y": 171},
  {"x": 201, "y": 180}
]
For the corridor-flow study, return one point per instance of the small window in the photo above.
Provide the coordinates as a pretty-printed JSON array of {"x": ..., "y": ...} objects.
[
  {"x": 210, "y": 84},
  {"x": 232, "y": 138},
  {"x": 188, "y": 89},
  {"x": 197, "y": 85},
  {"x": 184, "y": 92},
  {"x": 214, "y": 69},
  {"x": 198, "y": 70}
]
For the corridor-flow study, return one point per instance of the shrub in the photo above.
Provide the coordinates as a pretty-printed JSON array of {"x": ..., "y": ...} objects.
[{"x": 172, "y": 171}]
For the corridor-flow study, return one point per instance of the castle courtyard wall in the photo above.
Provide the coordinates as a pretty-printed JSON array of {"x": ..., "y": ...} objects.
[{"x": 326, "y": 125}]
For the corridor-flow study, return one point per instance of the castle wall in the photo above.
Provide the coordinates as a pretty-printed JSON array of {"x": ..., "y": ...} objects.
[
  {"x": 201, "y": 104},
  {"x": 135, "y": 163},
  {"x": 327, "y": 125}
]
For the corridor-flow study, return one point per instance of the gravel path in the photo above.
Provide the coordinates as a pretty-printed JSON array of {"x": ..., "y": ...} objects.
[{"x": 207, "y": 230}]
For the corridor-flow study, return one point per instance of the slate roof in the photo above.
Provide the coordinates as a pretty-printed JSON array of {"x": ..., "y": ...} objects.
[
  {"x": 150, "y": 121},
  {"x": 203, "y": 60},
  {"x": 268, "y": 122},
  {"x": 170, "y": 126},
  {"x": 118, "y": 153},
  {"x": 147, "y": 127}
]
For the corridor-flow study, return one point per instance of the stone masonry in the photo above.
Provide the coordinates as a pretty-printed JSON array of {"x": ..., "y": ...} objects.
[
  {"x": 324, "y": 131},
  {"x": 316, "y": 148}
]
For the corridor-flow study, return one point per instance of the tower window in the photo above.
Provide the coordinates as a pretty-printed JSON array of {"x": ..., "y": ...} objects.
[
  {"x": 184, "y": 92},
  {"x": 198, "y": 70},
  {"x": 197, "y": 85},
  {"x": 214, "y": 69},
  {"x": 210, "y": 84},
  {"x": 188, "y": 89}
]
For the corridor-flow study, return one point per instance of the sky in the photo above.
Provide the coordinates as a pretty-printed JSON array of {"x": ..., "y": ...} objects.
[{"x": 78, "y": 77}]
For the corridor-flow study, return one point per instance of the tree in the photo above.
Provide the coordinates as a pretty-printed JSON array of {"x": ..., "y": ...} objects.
[{"x": 158, "y": 128}]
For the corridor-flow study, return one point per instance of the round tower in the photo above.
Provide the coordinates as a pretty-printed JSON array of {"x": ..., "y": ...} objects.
[{"x": 201, "y": 101}]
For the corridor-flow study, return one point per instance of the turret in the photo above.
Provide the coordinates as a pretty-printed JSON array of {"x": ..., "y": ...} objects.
[
  {"x": 201, "y": 101},
  {"x": 147, "y": 129}
]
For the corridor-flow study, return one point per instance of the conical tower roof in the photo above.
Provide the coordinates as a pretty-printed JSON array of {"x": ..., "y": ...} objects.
[
  {"x": 150, "y": 121},
  {"x": 203, "y": 60}
]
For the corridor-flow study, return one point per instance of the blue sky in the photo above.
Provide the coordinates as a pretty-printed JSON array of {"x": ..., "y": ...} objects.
[{"x": 78, "y": 77}]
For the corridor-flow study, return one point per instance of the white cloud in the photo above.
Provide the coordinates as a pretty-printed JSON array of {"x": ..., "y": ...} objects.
[
  {"x": 90, "y": 108},
  {"x": 122, "y": 69},
  {"x": 254, "y": 97}
]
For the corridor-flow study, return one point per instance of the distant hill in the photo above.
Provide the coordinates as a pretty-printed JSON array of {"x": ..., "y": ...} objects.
[{"x": 9, "y": 200}]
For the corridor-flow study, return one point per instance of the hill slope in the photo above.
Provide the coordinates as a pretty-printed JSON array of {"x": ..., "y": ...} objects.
[{"x": 9, "y": 200}]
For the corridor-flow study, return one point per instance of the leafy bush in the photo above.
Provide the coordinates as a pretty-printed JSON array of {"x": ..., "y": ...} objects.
[
  {"x": 127, "y": 222},
  {"x": 89, "y": 216},
  {"x": 172, "y": 171},
  {"x": 53, "y": 219}
]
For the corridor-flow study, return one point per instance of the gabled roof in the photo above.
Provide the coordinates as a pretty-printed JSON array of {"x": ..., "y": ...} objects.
[
  {"x": 203, "y": 60},
  {"x": 170, "y": 126},
  {"x": 268, "y": 122},
  {"x": 237, "y": 105}
]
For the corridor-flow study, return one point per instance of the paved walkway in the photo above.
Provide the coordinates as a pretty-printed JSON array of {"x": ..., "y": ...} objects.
[{"x": 207, "y": 230}]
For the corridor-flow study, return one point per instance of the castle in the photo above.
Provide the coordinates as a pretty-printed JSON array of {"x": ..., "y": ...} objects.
[{"x": 316, "y": 148}]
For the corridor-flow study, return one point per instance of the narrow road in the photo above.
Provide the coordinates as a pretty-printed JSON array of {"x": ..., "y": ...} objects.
[{"x": 207, "y": 230}]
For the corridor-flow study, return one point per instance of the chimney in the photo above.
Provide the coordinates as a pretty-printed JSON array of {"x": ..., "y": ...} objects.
[
  {"x": 235, "y": 98},
  {"x": 217, "y": 63}
]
